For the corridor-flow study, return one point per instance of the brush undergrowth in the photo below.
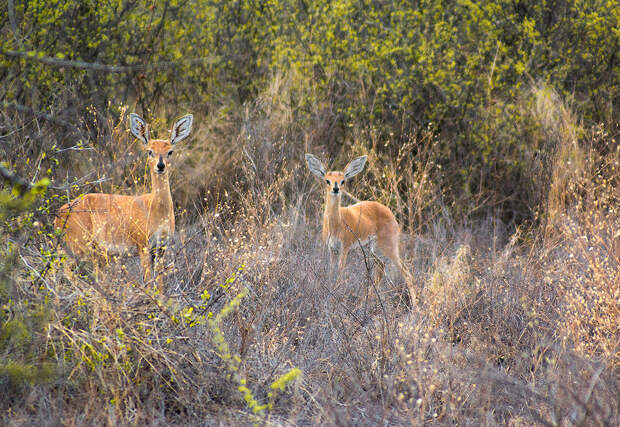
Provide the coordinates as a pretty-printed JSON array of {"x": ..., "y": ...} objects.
[{"x": 517, "y": 323}]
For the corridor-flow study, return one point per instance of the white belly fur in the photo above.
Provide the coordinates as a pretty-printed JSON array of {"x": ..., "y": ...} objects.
[
  {"x": 334, "y": 243},
  {"x": 370, "y": 241},
  {"x": 117, "y": 248}
]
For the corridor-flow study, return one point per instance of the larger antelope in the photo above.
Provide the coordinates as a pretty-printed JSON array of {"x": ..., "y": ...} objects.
[
  {"x": 115, "y": 224},
  {"x": 362, "y": 222}
]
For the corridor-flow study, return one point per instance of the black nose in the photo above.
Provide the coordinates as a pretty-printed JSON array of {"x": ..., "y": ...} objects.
[
  {"x": 336, "y": 190},
  {"x": 161, "y": 166}
]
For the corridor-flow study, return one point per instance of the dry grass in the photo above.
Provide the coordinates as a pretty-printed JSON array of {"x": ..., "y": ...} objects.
[{"x": 513, "y": 326}]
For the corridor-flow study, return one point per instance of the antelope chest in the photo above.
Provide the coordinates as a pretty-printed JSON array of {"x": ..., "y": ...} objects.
[{"x": 161, "y": 235}]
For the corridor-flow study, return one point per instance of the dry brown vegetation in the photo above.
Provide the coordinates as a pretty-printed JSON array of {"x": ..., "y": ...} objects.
[
  {"x": 516, "y": 323},
  {"x": 491, "y": 131}
]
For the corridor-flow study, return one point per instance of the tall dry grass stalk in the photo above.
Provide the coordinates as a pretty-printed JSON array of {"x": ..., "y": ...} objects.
[
  {"x": 562, "y": 133},
  {"x": 581, "y": 227}
]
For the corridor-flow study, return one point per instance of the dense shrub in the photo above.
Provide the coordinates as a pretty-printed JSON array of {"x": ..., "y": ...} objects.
[{"x": 461, "y": 68}]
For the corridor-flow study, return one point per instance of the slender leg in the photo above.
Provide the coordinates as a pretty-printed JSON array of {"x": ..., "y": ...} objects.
[
  {"x": 414, "y": 293},
  {"x": 333, "y": 261},
  {"x": 100, "y": 259},
  {"x": 157, "y": 259},
  {"x": 68, "y": 265},
  {"x": 145, "y": 261},
  {"x": 344, "y": 251},
  {"x": 332, "y": 255},
  {"x": 96, "y": 268},
  {"x": 379, "y": 270},
  {"x": 389, "y": 247}
]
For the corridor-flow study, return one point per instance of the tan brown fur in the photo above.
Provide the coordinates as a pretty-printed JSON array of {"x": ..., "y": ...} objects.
[
  {"x": 109, "y": 224},
  {"x": 359, "y": 222}
]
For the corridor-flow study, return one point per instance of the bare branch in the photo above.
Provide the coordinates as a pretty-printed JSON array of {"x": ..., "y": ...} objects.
[
  {"x": 23, "y": 185},
  {"x": 23, "y": 109},
  {"x": 15, "y": 180},
  {"x": 97, "y": 66},
  {"x": 14, "y": 23}
]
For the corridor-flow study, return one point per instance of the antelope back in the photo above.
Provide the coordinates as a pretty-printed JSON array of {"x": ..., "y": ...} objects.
[{"x": 114, "y": 222}]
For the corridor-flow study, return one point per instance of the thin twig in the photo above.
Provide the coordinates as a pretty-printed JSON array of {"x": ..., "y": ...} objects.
[
  {"x": 14, "y": 23},
  {"x": 23, "y": 185},
  {"x": 15, "y": 180},
  {"x": 97, "y": 66},
  {"x": 24, "y": 109}
]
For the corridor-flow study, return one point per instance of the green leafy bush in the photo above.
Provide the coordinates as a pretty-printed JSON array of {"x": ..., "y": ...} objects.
[{"x": 462, "y": 69}]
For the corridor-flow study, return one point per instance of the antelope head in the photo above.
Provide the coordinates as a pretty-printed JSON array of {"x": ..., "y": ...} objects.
[{"x": 160, "y": 150}]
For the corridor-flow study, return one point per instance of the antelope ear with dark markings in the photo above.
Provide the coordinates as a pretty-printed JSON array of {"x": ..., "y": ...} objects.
[
  {"x": 139, "y": 128},
  {"x": 354, "y": 167},
  {"x": 315, "y": 166},
  {"x": 181, "y": 129}
]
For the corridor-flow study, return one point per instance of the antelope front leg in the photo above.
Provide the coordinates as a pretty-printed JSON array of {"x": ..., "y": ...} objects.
[
  {"x": 379, "y": 269},
  {"x": 145, "y": 262},
  {"x": 332, "y": 255},
  {"x": 342, "y": 262},
  {"x": 157, "y": 252},
  {"x": 414, "y": 292}
]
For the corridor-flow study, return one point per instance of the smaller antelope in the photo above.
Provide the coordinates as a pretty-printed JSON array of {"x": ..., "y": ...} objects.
[
  {"x": 364, "y": 221},
  {"x": 116, "y": 224}
]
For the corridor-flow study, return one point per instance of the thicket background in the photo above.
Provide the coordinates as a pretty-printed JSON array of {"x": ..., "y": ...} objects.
[{"x": 491, "y": 129}]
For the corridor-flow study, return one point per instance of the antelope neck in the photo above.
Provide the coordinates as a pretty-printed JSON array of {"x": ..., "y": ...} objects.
[
  {"x": 162, "y": 198},
  {"x": 332, "y": 210}
]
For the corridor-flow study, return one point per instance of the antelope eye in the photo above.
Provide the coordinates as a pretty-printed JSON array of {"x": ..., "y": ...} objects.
[
  {"x": 327, "y": 181},
  {"x": 170, "y": 153},
  {"x": 342, "y": 182},
  {"x": 150, "y": 153}
]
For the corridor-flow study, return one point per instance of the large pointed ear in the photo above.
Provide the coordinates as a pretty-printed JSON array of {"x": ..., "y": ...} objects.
[
  {"x": 139, "y": 128},
  {"x": 315, "y": 166},
  {"x": 354, "y": 167},
  {"x": 181, "y": 129}
]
